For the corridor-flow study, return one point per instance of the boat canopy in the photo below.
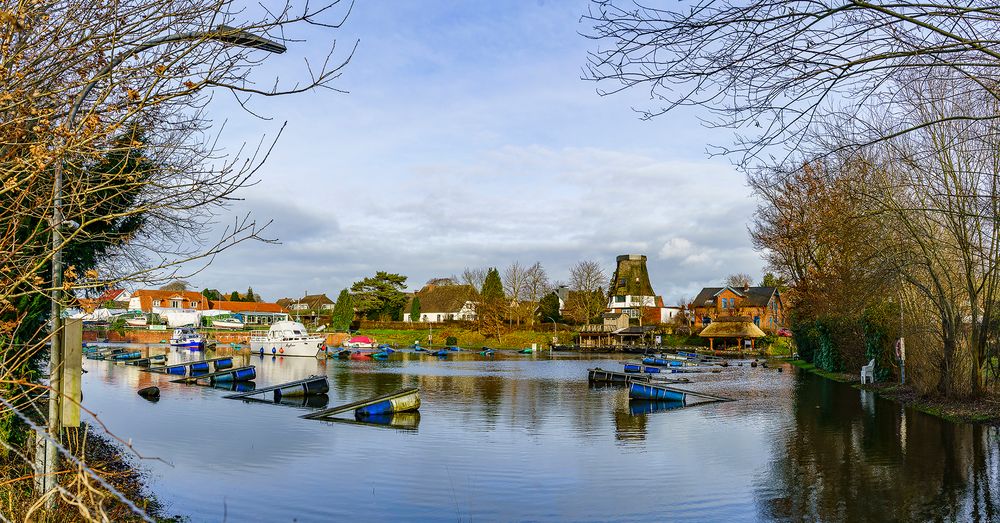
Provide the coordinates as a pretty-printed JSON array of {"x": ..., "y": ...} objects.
[{"x": 287, "y": 329}]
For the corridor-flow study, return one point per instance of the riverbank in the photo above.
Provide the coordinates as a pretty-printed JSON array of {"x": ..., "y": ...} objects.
[
  {"x": 984, "y": 410},
  {"x": 18, "y": 495}
]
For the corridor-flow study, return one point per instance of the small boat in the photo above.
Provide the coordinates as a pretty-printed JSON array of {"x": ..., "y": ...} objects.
[
  {"x": 486, "y": 352},
  {"x": 402, "y": 400},
  {"x": 127, "y": 356},
  {"x": 386, "y": 348},
  {"x": 381, "y": 355},
  {"x": 287, "y": 338},
  {"x": 226, "y": 321},
  {"x": 418, "y": 348},
  {"x": 631, "y": 367},
  {"x": 187, "y": 337},
  {"x": 528, "y": 350},
  {"x": 440, "y": 353},
  {"x": 138, "y": 321},
  {"x": 361, "y": 342},
  {"x": 236, "y": 375},
  {"x": 649, "y": 391},
  {"x": 454, "y": 348}
]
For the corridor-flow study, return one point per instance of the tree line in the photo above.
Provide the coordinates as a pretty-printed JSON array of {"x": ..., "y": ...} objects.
[{"x": 869, "y": 132}]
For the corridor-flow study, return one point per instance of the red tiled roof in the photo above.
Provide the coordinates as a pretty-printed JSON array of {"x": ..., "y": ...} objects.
[
  {"x": 147, "y": 297},
  {"x": 247, "y": 306}
]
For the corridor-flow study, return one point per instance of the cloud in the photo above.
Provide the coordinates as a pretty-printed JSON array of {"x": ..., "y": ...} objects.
[{"x": 468, "y": 139}]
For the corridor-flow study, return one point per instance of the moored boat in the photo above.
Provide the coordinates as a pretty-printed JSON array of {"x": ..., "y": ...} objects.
[
  {"x": 187, "y": 337},
  {"x": 360, "y": 342},
  {"x": 645, "y": 391},
  {"x": 632, "y": 367},
  {"x": 228, "y": 321},
  {"x": 287, "y": 338}
]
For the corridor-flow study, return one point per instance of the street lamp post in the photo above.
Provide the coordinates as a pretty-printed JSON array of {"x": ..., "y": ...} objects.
[
  {"x": 555, "y": 335},
  {"x": 222, "y": 33}
]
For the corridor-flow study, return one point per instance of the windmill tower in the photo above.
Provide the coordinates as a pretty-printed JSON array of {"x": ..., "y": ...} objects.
[{"x": 630, "y": 288}]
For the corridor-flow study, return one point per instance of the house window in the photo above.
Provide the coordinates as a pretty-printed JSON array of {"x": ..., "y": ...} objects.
[
  {"x": 175, "y": 304},
  {"x": 619, "y": 299},
  {"x": 756, "y": 320},
  {"x": 438, "y": 317},
  {"x": 706, "y": 320},
  {"x": 725, "y": 303}
]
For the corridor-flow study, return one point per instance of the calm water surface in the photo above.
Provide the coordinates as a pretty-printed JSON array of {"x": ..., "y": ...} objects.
[{"x": 525, "y": 438}]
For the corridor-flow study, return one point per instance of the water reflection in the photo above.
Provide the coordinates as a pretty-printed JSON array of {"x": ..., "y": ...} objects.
[
  {"x": 851, "y": 457},
  {"x": 509, "y": 427}
]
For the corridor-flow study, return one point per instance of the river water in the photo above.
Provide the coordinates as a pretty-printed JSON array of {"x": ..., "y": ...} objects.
[{"x": 525, "y": 438}]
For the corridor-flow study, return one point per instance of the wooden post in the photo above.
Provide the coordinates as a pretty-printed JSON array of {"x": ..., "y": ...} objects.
[
  {"x": 711, "y": 344},
  {"x": 72, "y": 371}
]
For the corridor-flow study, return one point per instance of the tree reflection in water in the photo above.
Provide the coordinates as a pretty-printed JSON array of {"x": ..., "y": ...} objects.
[{"x": 851, "y": 456}]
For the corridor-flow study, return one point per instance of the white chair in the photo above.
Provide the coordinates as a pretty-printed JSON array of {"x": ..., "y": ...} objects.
[{"x": 868, "y": 372}]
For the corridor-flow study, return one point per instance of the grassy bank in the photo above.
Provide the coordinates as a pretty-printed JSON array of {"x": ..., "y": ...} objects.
[
  {"x": 981, "y": 410},
  {"x": 467, "y": 337}
]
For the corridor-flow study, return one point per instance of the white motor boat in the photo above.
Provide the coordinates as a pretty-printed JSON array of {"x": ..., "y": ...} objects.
[
  {"x": 287, "y": 338},
  {"x": 226, "y": 322},
  {"x": 187, "y": 337},
  {"x": 138, "y": 321}
]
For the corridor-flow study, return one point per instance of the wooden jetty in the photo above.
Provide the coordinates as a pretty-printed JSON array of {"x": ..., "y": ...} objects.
[
  {"x": 402, "y": 400},
  {"x": 649, "y": 391},
  {"x": 237, "y": 374},
  {"x": 312, "y": 385}
]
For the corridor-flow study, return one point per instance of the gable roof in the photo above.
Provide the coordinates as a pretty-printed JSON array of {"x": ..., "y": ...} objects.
[
  {"x": 315, "y": 301},
  {"x": 443, "y": 298},
  {"x": 752, "y": 296},
  {"x": 148, "y": 296},
  {"x": 110, "y": 295},
  {"x": 246, "y": 306}
]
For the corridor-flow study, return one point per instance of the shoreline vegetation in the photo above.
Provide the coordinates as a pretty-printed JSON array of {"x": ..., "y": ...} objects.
[
  {"x": 978, "y": 411},
  {"x": 102, "y": 455}
]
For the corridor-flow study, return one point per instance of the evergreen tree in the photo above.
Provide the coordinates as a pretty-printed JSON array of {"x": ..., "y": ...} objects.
[
  {"x": 380, "y": 297},
  {"x": 548, "y": 308},
  {"x": 250, "y": 295},
  {"x": 492, "y": 307},
  {"x": 415, "y": 309},
  {"x": 235, "y": 296},
  {"x": 343, "y": 312}
]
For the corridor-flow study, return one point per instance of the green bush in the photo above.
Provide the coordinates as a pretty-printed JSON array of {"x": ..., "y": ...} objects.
[{"x": 451, "y": 341}]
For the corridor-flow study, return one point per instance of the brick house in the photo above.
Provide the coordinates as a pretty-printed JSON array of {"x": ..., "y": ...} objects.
[
  {"x": 148, "y": 300},
  {"x": 763, "y": 305}
]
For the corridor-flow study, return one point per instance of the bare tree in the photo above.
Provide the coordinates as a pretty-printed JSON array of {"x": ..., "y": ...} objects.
[
  {"x": 739, "y": 280},
  {"x": 515, "y": 281},
  {"x": 178, "y": 285},
  {"x": 474, "y": 277},
  {"x": 536, "y": 282},
  {"x": 587, "y": 297},
  {"x": 779, "y": 70},
  {"x": 108, "y": 159}
]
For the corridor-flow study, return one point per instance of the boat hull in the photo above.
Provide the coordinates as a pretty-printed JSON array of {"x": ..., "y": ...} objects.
[
  {"x": 303, "y": 347},
  {"x": 225, "y": 324},
  {"x": 237, "y": 375},
  {"x": 409, "y": 402},
  {"x": 651, "y": 392}
]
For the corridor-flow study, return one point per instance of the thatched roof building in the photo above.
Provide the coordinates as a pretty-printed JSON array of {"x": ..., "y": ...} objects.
[{"x": 738, "y": 327}]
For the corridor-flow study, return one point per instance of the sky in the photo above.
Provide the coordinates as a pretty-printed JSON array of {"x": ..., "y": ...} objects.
[{"x": 467, "y": 138}]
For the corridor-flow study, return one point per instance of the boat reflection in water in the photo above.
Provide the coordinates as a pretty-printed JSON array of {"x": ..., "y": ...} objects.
[
  {"x": 313, "y": 401},
  {"x": 398, "y": 420},
  {"x": 641, "y": 407},
  {"x": 234, "y": 386}
]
